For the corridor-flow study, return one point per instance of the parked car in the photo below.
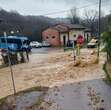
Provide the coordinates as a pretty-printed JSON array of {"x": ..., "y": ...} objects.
[
  {"x": 93, "y": 43},
  {"x": 45, "y": 44},
  {"x": 25, "y": 44},
  {"x": 35, "y": 44},
  {"x": 70, "y": 43}
]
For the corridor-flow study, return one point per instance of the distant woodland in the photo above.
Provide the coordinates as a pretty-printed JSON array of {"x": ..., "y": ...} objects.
[{"x": 32, "y": 26}]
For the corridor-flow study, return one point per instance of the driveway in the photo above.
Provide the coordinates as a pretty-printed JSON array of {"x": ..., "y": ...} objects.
[{"x": 85, "y": 95}]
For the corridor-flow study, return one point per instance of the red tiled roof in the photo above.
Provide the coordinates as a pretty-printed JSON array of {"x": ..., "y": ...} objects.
[
  {"x": 61, "y": 28},
  {"x": 74, "y": 26},
  {"x": 66, "y": 27}
]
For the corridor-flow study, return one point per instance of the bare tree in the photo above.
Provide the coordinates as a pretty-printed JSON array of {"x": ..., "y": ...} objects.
[
  {"x": 91, "y": 20},
  {"x": 109, "y": 21},
  {"x": 73, "y": 16}
]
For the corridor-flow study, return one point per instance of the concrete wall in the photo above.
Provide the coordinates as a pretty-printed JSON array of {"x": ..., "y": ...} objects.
[
  {"x": 75, "y": 32},
  {"x": 51, "y": 36}
]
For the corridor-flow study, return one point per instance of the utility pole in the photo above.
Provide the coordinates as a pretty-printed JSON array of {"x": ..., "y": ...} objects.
[
  {"x": 10, "y": 65},
  {"x": 99, "y": 28}
]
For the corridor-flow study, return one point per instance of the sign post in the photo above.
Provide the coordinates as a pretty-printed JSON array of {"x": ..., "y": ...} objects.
[
  {"x": 9, "y": 62},
  {"x": 80, "y": 41},
  {"x": 78, "y": 48},
  {"x": 78, "y": 51},
  {"x": 74, "y": 54}
]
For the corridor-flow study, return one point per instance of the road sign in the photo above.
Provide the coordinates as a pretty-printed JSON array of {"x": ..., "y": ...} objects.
[{"x": 80, "y": 39}]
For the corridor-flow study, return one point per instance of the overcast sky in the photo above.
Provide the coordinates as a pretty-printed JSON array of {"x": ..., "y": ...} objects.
[{"x": 45, "y": 7}]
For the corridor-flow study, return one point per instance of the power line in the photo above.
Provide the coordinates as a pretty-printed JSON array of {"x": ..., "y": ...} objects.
[
  {"x": 107, "y": 4},
  {"x": 64, "y": 11}
]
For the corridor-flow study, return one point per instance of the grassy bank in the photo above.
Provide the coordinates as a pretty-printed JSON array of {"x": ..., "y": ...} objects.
[{"x": 107, "y": 72}]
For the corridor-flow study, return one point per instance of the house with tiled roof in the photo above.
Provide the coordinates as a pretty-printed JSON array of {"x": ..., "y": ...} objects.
[{"x": 60, "y": 34}]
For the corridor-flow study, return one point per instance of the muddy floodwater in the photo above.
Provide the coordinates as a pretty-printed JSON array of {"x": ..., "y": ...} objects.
[
  {"x": 49, "y": 69},
  {"x": 56, "y": 69}
]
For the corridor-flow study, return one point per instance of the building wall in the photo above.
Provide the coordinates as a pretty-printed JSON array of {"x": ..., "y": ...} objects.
[
  {"x": 88, "y": 36},
  {"x": 75, "y": 32},
  {"x": 51, "y": 36},
  {"x": 61, "y": 38}
]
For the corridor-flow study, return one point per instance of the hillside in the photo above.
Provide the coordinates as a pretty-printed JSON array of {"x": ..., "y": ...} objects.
[{"x": 30, "y": 26}]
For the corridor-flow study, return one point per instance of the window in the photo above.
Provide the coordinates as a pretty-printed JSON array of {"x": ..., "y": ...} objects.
[
  {"x": 3, "y": 40},
  {"x": 74, "y": 35},
  {"x": 11, "y": 40},
  {"x": 47, "y": 37},
  {"x": 53, "y": 37}
]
